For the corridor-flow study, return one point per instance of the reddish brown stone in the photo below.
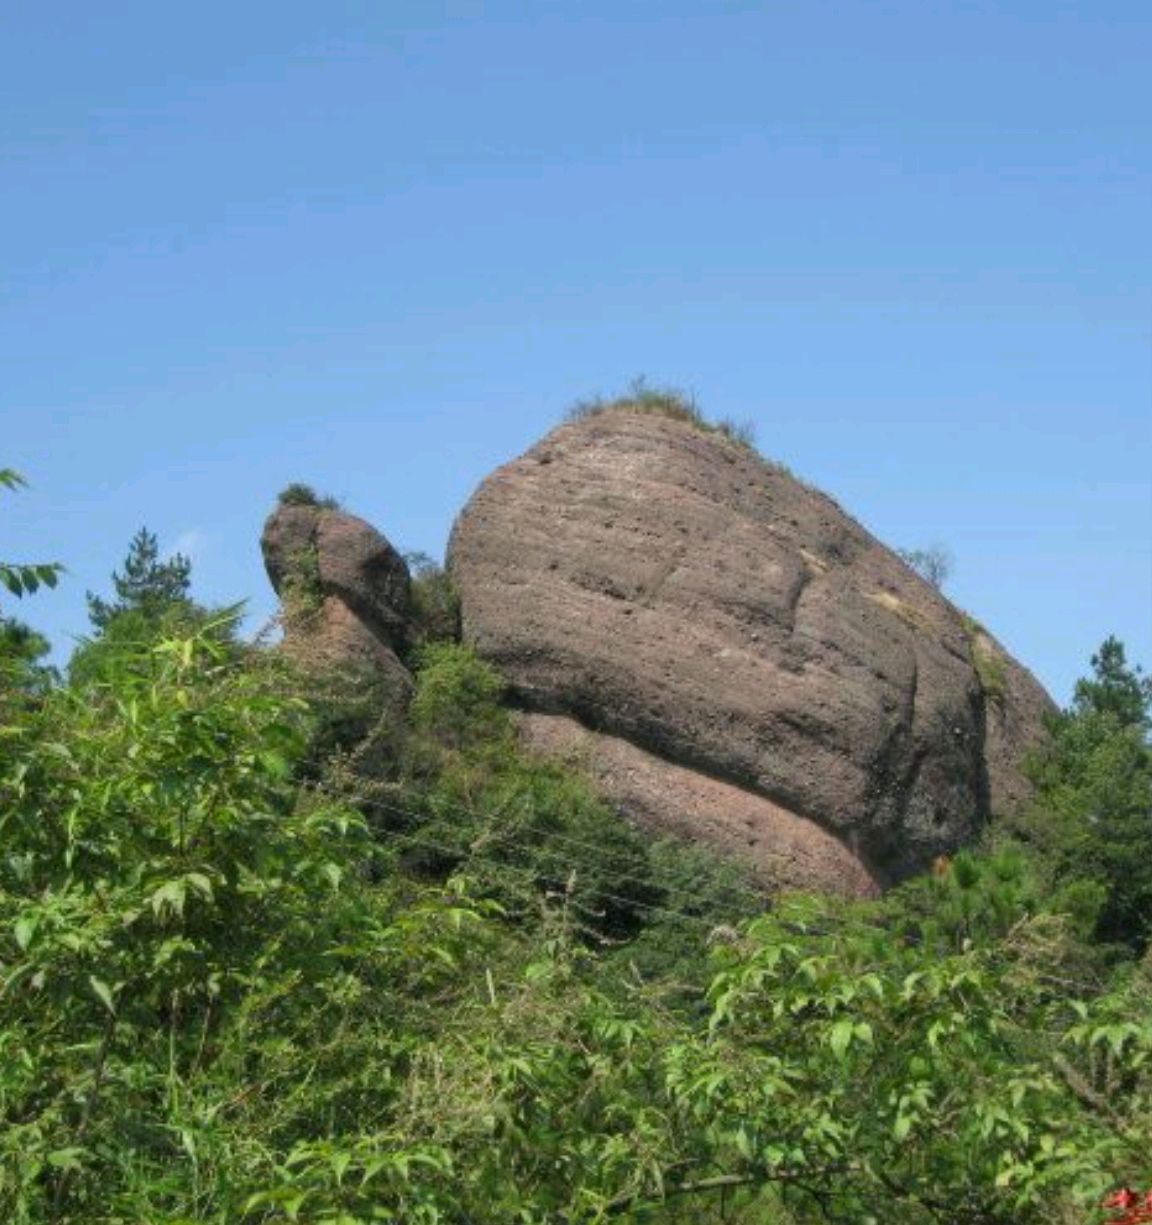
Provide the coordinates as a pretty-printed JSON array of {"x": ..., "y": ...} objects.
[
  {"x": 343, "y": 587},
  {"x": 668, "y": 588}
]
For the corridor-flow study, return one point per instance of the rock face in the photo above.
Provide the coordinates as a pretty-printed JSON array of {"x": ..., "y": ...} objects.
[
  {"x": 734, "y": 657},
  {"x": 344, "y": 589},
  {"x": 786, "y": 851}
]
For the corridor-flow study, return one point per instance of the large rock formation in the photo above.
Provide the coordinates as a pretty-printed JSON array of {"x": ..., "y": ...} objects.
[
  {"x": 733, "y": 657},
  {"x": 344, "y": 590}
]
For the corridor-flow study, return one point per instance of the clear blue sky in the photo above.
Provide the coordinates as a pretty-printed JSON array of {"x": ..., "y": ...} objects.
[{"x": 379, "y": 247}]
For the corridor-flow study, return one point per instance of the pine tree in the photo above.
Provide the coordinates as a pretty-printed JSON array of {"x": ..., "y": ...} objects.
[
  {"x": 1092, "y": 815},
  {"x": 1115, "y": 688},
  {"x": 152, "y": 602},
  {"x": 148, "y": 585}
]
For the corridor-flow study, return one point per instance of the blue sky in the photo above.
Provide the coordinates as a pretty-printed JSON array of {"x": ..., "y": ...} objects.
[{"x": 380, "y": 247}]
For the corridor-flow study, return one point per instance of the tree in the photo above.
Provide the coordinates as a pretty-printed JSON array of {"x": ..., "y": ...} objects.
[
  {"x": 1091, "y": 819},
  {"x": 21, "y": 651},
  {"x": 148, "y": 585},
  {"x": 1115, "y": 688},
  {"x": 152, "y": 602},
  {"x": 933, "y": 564}
]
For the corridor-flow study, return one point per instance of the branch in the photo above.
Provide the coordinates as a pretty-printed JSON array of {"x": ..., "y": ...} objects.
[{"x": 724, "y": 1182}]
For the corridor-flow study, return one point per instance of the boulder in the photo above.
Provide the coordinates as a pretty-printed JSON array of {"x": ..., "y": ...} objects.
[
  {"x": 344, "y": 590},
  {"x": 663, "y": 588}
]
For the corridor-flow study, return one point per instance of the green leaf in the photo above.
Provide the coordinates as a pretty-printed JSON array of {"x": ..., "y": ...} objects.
[
  {"x": 340, "y": 1163},
  {"x": 841, "y": 1036},
  {"x": 275, "y": 764},
  {"x": 200, "y": 883},
  {"x": 65, "y": 1158},
  {"x": 24, "y": 929},
  {"x": 103, "y": 993},
  {"x": 170, "y": 896}
]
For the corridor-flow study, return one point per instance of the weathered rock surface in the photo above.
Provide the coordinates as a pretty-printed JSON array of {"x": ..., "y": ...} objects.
[
  {"x": 668, "y": 589},
  {"x": 344, "y": 589},
  {"x": 784, "y": 850}
]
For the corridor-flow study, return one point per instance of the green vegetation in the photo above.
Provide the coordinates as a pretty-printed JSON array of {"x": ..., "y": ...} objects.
[
  {"x": 987, "y": 661},
  {"x": 457, "y": 794},
  {"x": 23, "y": 675},
  {"x": 434, "y": 609},
  {"x": 148, "y": 586},
  {"x": 668, "y": 402},
  {"x": 301, "y": 590},
  {"x": 1090, "y": 823},
  {"x": 298, "y": 494},
  {"x": 404, "y": 971},
  {"x": 152, "y": 603},
  {"x": 21, "y": 651}
]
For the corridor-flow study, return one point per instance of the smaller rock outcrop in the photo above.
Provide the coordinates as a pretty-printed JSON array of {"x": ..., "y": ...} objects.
[{"x": 344, "y": 590}]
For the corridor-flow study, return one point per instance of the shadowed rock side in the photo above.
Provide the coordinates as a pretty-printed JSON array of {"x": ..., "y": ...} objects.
[
  {"x": 344, "y": 590},
  {"x": 784, "y": 850},
  {"x": 667, "y": 587}
]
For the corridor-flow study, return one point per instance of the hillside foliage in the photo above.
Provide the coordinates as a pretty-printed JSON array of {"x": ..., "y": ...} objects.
[{"x": 263, "y": 962}]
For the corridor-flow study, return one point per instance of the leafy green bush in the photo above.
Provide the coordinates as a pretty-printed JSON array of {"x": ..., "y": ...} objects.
[
  {"x": 698, "y": 896},
  {"x": 457, "y": 703},
  {"x": 21, "y": 652}
]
